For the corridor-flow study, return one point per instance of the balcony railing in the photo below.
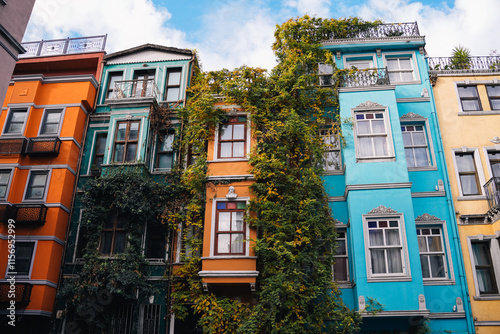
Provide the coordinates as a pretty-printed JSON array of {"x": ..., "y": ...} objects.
[
  {"x": 12, "y": 145},
  {"x": 485, "y": 63},
  {"x": 129, "y": 89},
  {"x": 367, "y": 77},
  {"x": 29, "y": 214},
  {"x": 43, "y": 146},
  {"x": 64, "y": 46},
  {"x": 22, "y": 295},
  {"x": 408, "y": 29},
  {"x": 491, "y": 189}
]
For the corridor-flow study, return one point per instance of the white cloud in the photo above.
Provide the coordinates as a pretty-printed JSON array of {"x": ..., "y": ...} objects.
[
  {"x": 319, "y": 8},
  {"x": 128, "y": 23},
  {"x": 472, "y": 24}
]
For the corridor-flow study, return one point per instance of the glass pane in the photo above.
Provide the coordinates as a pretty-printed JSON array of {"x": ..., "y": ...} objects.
[
  {"x": 392, "y": 64},
  {"x": 223, "y": 242},
  {"x": 174, "y": 78},
  {"x": 332, "y": 160},
  {"x": 437, "y": 265},
  {"x": 469, "y": 186},
  {"x": 131, "y": 152},
  {"x": 3, "y": 190},
  {"x": 106, "y": 239},
  {"x": 38, "y": 179},
  {"x": 118, "y": 153},
  {"x": 35, "y": 193},
  {"x": 435, "y": 244},
  {"x": 470, "y": 105},
  {"x": 407, "y": 139},
  {"x": 365, "y": 147},
  {"x": 410, "y": 159},
  {"x": 394, "y": 77},
  {"x": 392, "y": 237},
  {"x": 340, "y": 269},
  {"x": 241, "y": 205},
  {"x": 221, "y": 205},
  {"x": 421, "y": 158},
  {"x": 224, "y": 221},
  {"x": 394, "y": 260},
  {"x": 378, "y": 126},
  {"x": 465, "y": 163},
  {"x": 225, "y": 150},
  {"x": 122, "y": 129},
  {"x": 226, "y": 132},
  {"x": 405, "y": 63},
  {"x": 53, "y": 117},
  {"x": 237, "y": 223},
  {"x": 50, "y": 128},
  {"x": 134, "y": 130},
  {"x": 231, "y": 205},
  {"x": 239, "y": 131},
  {"x": 167, "y": 143},
  {"x": 467, "y": 91},
  {"x": 484, "y": 280},
  {"x": 341, "y": 247},
  {"x": 422, "y": 245},
  {"x": 424, "y": 262},
  {"x": 481, "y": 253},
  {"x": 238, "y": 149},
  {"x": 237, "y": 243},
  {"x": 15, "y": 128},
  {"x": 378, "y": 261},
  {"x": 18, "y": 116},
  {"x": 165, "y": 160},
  {"x": 419, "y": 138},
  {"x": 407, "y": 76},
  {"x": 119, "y": 242},
  {"x": 495, "y": 104},
  {"x": 173, "y": 94},
  {"x": 380, "y": 146},
  {"x": 363, "y": 127},
  {"x": 376, "y": 237}
]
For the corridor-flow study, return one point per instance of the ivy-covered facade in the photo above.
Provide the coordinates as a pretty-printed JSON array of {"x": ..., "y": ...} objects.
[
  {"x": 388, "y": 188},
  {"x": 118, "y": 255}
]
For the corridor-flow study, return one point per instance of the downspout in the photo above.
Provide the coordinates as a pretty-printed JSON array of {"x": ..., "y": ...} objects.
[{"x": 451, "y": 208}]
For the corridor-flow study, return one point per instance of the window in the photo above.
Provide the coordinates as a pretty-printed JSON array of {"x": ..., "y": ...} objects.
[
  {"x": 82, "y": 241},
  {"x": 173, "y": 85},
  {"x": 483, "y": 266},
  {"x": 50, "y": 123},
  {"x": 385, "y": 247},
  {"x": 416, "y": 148},
  {"x": 24, "y": 257},
  {"x": 341, "y": 266},
  {"x": 494, "y": 96},
  {"x": 113, "y": 235},
  {"x": 325, "y": 74},
  {"x": 143, "y": 83},
  {"x": 359, "y": 64},
  {"x": 372, "y": 134},
  {"x": 36, "y": 185},
  {"x": 332, "y": 150},
  {"x": 4, "y": 183},
  {"x": 230, "y": 228},
  {"x": 165, "y": 152},
  {"x": 400, "y": 69},
  {"x": 99, "y": 150},
  {"x": 494, "y": 159},
  {"x": 469, "y": 98},
  {"x": 232, "y": 137},
  {"x": 113, "y": 91},
  {"x": 126, "y": 140},
  {"x": 155, "y": 242},
  {"x": 432, "y": 254},
  {"x": 467, "y": 173},
  {"x": 15, "y": 121}
]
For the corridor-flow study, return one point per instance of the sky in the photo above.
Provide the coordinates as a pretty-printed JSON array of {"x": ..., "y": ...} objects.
[{"x": 232, "y": 33}]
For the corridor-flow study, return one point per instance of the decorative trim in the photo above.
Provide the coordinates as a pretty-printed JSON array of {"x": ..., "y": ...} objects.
[
  {"x": 411, "y": 116},
  {"x": 35, "y": 238},
  {"x": 228, "y": 257},
  {"x": 446, "y": 315},
  {"x": 376, "y": 186},
  {"x": 478, "y": 113},
  {"x": 231, "y": 194},
  {"x": 428, "y": 282},
  {"x": 486, "y": 323},
  {"x": 232, "y": 177},
  {"x": 495, "y": 140},
  {"x": 62, "y": 79},
  {"x": 382, "y": 210},
  {"x": 426, "y": 217},
  {"x": 415, "y": 313},
  {"x": 336, "y": 199},
  {"x": 392, "y": 40},
  {"x": 370, "y": 104},
  {"x": 366, "y": 88},
  {"x": 228, "y": 273},
  {"x": 490, "y": 297},
  {"x": 413, "y": 99}
]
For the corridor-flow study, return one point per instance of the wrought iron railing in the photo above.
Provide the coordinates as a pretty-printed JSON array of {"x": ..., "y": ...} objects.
[
  {"x": 128, "y": 89},
  {"x": 64, "y": 46},
  {"x": 29, "y": 213},
  {"x": 491, "y": 189},
  {"x": 40, "y": 146},
  {"x": 366, "y": 77},
  {"x": 12, "y": 145},
  {"x": 408, "y": 29},
  {"x": 22, "y": 295},
  {"x": 488, "y": 63}
]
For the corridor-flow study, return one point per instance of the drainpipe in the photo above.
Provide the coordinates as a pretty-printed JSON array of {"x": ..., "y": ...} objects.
[{"x": 451, "y": 208}]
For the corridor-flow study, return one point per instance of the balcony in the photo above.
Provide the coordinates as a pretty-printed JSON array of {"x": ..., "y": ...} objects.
[
  {"x": 22, "y": 294},
  {"x": 43, "y": 146},
  {"x": 12, "y": 145},
  {"x": 64, "y": 46},
  {"x": 491, "y": 189},
  {"x": 29, "y": 214},
  {"x": 475, "y": 64},
  {"x": 365, "y": 78},
  {"x": 135, "y": 89},
  {"x": 409, "y": 29}
]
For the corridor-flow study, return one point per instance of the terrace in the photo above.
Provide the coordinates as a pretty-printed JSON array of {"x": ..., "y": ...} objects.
[
  {"x": 384, "y": 30},
  {"x": 66, "y": 46},
  {"x": 475, "y": 64}
]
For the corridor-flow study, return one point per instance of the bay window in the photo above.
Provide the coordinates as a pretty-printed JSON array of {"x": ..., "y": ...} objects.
[
  {"x": 373, "y": 138},
  {"x": 126, "y": 141}
]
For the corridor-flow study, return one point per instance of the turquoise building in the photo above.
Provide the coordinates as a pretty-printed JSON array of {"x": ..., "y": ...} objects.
[
  {"x": 398, "y": 255},
  {"x": 135, "y": 83}
]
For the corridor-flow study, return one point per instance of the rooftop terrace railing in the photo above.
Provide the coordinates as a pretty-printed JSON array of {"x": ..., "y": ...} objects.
[
  {"x": 64, "y": 46},
  {"x": 481, "y": 63},
  {"x": 409, "y": 29}
]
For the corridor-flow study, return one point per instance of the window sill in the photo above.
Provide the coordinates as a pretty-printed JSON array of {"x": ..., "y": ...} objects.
[
  {"x": 227, "y": 160},
  {"x": 225, "y": 257},
  {"x": 345, "y": 284},
  {"x": 438, "y": 282},
  {"x": 156, "y": 262},
  {"x": 376, "y": 159},
  {"x": 334, "y": 172},
  {"x": 471, "y": 198},
  {"x": 389, "y": 279},
  {"x": 479, "y": 113},
  {"x": 421, "y": 169},
  {"x": 487, "y": 297},
  {"x": 413, "y": 82}
]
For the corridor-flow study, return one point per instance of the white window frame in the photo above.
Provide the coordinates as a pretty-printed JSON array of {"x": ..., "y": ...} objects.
[
  {"x": 422, "y": 121},
  {"x": 486, "y": 151},
  {"x": 449, "y": 272},
  {"x": 46, "y": 188},
  {"x": 93, "y": 149},
  {"x": 110, "y": 142},
  {"x": 413, "y": 61},
  {"x": 479, "y": 169},
  {"x": 8, "y": 120},
  {"x": 77, "y": 238},
  {"x": 346, "y": 256},
  {"x": 44, "y": 119},
  {"x": 492, "y": 97},
  {"x": 406, "y": 274},
  {"x": 247, "y": 143},
  {"x": 9, "y": 182},
  {"x": 332, "y": 144},
  {"x": 388, "y": 134},
  {"x": 108, "y": 76},
  {"x": 494, "y": 244},
  {"x": 32, "y": 261},
  {"x": 351, "y": 60},
  {"x": 214, "y": 222},
  {"x": 155, "y": 159},
  {"x": 325, "y": 75}
]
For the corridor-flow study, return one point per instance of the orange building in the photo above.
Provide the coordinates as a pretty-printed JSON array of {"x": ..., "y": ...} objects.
[{"x": 42, "y": 124}]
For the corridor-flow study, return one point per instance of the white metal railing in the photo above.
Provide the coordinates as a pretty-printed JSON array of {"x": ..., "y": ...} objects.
[
  {"x": 64, "y": 46},
  {"x": 127, "y": 89}
]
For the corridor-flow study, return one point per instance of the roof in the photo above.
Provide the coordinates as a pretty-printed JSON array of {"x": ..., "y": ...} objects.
[{"x": 146, "y": 47}]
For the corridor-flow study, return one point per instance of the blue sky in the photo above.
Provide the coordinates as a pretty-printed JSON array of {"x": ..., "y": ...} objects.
[{"x": 229, "y": 34}]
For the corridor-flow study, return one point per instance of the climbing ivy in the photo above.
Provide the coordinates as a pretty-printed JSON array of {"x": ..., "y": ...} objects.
[{"x": 287, "y": 108}]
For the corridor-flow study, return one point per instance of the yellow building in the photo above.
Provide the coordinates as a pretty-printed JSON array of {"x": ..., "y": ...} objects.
[{"x": 468, "y": 107}]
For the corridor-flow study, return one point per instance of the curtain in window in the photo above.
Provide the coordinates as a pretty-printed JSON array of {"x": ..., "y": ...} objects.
[{"x": 481, "y": 255}]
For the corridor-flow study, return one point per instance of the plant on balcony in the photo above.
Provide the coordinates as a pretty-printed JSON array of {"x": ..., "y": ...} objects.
[{"x": 460, "y": 58}]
